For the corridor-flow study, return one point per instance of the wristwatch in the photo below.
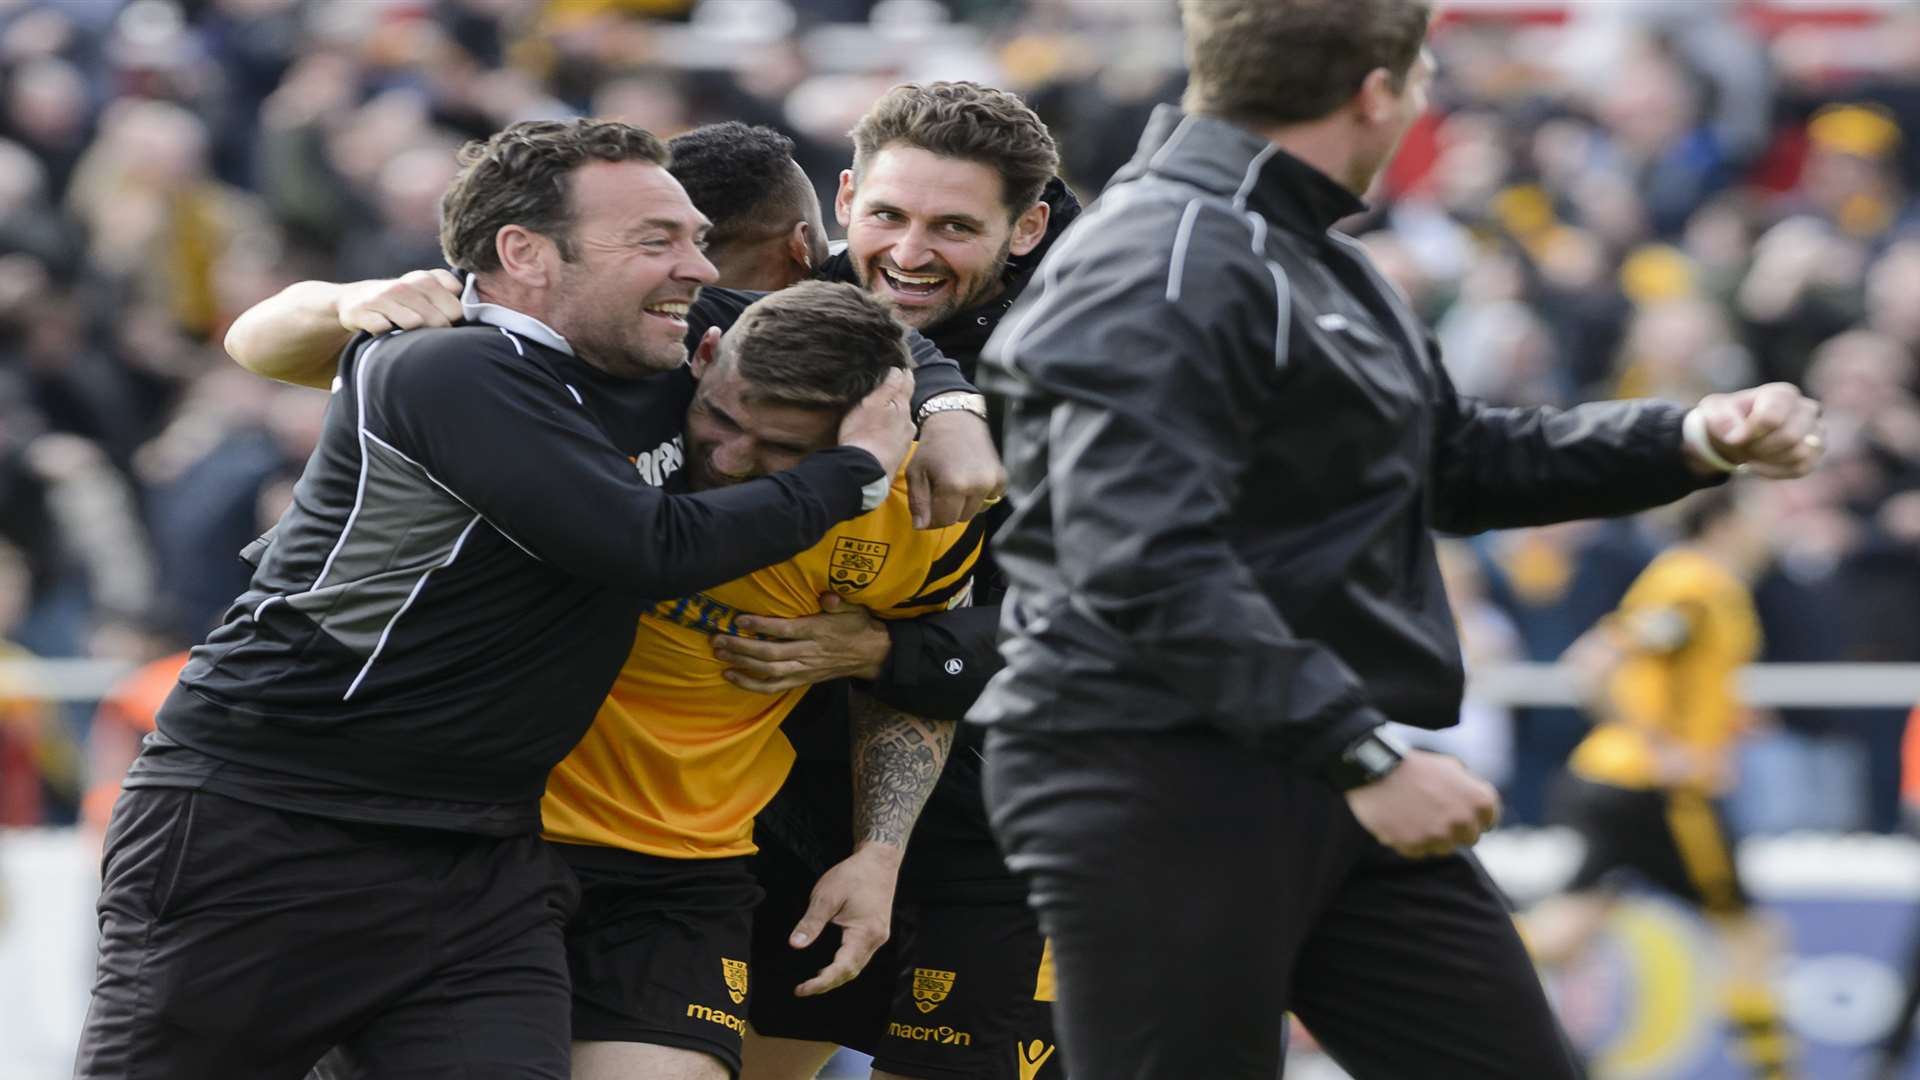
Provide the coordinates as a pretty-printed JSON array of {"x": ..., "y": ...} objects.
[
  {"x": 1366, "y": 759},
  {"x": 952, "y": 401}
]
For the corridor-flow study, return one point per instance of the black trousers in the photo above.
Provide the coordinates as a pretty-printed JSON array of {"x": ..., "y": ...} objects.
[
  {"x": 240, "y": 942},
  {"x": 1195, "y": 893}
]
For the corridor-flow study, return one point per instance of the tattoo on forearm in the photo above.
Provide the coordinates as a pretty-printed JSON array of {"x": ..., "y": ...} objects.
[{"x": 897, "y": 758}]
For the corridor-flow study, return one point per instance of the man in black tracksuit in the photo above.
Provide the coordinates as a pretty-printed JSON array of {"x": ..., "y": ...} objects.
[
  {"x": 332, "y": 838},
  {"x": 1229, "y": 441}
]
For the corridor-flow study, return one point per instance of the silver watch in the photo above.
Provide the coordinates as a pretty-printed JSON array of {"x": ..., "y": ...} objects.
[{"x": 952, "y": 401}]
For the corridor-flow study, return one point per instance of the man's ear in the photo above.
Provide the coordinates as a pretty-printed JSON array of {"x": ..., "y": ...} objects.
[
  {"x": 705, "y": 352},
  {"x": 800, "y": 245},
  {"x": 1030, "y": 228},
  {"x": 529, "y": 258},
  {"x": 1379, "y": 98},
  {"x": 843, "y": 199}
]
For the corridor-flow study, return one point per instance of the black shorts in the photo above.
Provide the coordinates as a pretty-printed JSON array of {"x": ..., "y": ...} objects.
[
  {"x": 242, "y": 942},
  {"x": 1678, "y": 841},
  {"x": 659, "y": 951},
  {"x": 960, "y": 991}
]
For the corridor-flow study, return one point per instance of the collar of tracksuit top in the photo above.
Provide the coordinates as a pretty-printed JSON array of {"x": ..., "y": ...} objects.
[
  {"x": 475, "y": 310},
  {"x": 1215, "y": 155}
]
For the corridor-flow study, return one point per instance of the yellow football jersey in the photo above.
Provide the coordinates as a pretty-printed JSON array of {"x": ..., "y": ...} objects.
[
  {"x": 1686, "y": 692},
  {"x": 679, "y": 760}
]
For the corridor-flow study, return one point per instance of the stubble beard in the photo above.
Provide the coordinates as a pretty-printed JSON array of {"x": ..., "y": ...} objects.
[{"x": 929, "y": 319}]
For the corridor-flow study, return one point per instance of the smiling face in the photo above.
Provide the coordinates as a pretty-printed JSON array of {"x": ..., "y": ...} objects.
[
  {"x": 931, "y": 235},
  {"x": 735, "y": 435},
  {"x": 621, "y": 300}
]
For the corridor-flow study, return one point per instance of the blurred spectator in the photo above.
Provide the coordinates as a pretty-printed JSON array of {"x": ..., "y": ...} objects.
[
  {"x": 156, "y": 217},
  {"x": 1484, "y": 737},
  {"x": 1801, "y": 768},
  {"x": 26, "y": 723},
  {"x": 218, "y": 477},
  {"x": 1655, "y": 114},
  {"x": 405, "y": 234},
  {"x": 1850, "y": 179},
  {"x": 1802, "y": 287},
  {"x": 47, "y": 110},
  {"x": 1681, "y": 349},
  {"x": 125, "y": 718},
  {"x": 1555, "y": 583}
]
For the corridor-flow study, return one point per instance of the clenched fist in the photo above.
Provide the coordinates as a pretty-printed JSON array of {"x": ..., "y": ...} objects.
[
  {"x": 1771, "y": 431},
  {"x": 1429, "y": 805}
]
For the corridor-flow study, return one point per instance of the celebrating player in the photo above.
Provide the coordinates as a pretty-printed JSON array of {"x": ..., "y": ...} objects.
[
  {"x": 654, "y": 809},
  {"x": 949, "y": 206}
]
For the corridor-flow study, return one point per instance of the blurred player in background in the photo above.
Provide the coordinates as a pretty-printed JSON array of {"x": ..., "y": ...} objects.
[{"x": 1645, "y": 786}]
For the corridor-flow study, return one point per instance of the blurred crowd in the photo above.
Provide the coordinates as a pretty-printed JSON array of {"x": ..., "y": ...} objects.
[{"x": 1665, "y": 197}]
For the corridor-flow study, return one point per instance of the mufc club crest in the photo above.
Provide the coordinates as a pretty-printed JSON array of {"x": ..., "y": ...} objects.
[
  {"x": 855, "y": 563},
  {"x": 930, "y": 988},
  {"x": 735, "y": 972}
]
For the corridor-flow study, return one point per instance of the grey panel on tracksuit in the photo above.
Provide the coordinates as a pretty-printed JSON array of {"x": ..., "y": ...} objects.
[{"x": 403, "y": 527}]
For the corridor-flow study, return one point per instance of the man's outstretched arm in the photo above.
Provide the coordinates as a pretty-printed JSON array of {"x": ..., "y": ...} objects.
[
  {"x": 295, "y": 336},
  {"x": 897, "y": 758}
]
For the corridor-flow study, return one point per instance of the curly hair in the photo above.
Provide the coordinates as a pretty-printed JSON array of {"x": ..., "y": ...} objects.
[
  {"x": 816, "y": 345},
  {"x": 519, "y": 177},
  {"x": 1274, "y": 62},
  {"x": 738, "y": 176},
  {"x": 967, "y": 121}
]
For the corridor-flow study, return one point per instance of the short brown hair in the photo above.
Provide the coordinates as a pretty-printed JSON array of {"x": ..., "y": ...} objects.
[
  {"x": 817, "y": 345},
  {"x": 967, "y": 121},
  {"x": 1273, "y": 62},
  {"x": 519, "y": 177}
]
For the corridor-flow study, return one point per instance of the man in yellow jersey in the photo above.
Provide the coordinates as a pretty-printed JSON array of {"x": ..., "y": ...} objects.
[
  {"x": 654, "y": 809},
  {"x": 1646, "y": 780}
]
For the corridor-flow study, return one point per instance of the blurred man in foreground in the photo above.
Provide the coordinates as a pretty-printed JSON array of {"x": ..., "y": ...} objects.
[{"x": 1230, "y": 443}]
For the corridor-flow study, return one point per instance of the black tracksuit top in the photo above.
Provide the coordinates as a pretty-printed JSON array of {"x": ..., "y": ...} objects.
[
  {"x": 449, "y": 598},
  {"x": 1230, "y": 444}
]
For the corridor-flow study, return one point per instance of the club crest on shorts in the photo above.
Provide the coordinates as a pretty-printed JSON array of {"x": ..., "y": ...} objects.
[
  {"x": 735, "y": 972},
  {"x": 855, "y": 563},
  {"x": 930, "y": 988}
]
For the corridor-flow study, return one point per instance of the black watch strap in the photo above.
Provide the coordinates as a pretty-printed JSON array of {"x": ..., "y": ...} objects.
[{"x": 1364, "y": 760}]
